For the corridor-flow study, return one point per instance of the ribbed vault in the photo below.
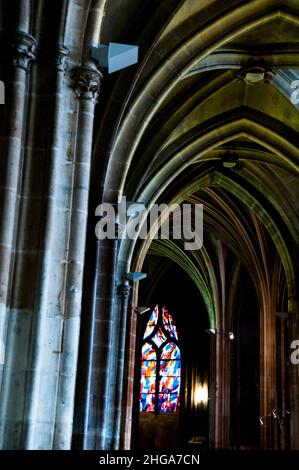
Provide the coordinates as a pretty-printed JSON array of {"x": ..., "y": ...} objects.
[
  {"x": 185, "y": 111},
  {"x": 73, "y": 136}
]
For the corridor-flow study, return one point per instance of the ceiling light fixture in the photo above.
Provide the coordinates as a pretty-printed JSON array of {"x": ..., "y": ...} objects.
[
  {"x": 254, "y": 74},
  {"x": 230, "y": 160}
]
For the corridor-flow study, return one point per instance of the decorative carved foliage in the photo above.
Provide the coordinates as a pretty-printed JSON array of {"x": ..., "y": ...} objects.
[
  {"x": 24, "y": 50},
  {"x": 87, "y": 83},
  {"x": 62, "y": 58}
]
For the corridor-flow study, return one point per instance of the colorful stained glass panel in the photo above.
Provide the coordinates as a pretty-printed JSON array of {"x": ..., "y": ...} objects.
[
  {"x": 148, "y": 368},
  {"x": 171, "y": 351},
  {"x": 169, "y": 384},
  {"x": 168, "y": 402},
  {"x": 169, "y": 368},
  {"x": 147, "y": 402},
  {"x": 148, "y": 384},
  {"x": 167, "y": 377},
  {"x": 169, "y": 323},
  {"x": 159, "y": 338},
  {"x": 151, "y": 323},
  {"x": 148, "y": 352}
]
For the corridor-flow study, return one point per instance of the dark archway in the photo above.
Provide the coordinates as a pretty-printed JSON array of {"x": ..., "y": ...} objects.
[{"x": 174, "y": 289}]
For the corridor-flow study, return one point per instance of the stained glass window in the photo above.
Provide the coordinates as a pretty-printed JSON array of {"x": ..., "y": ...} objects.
[
  {"x": 151, "y": 323},
  {"x": 160, "y": 365},
  {"x": 169, "y": 323}
]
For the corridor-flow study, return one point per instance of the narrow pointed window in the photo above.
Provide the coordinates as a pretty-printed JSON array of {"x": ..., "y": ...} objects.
[{"x": 160, "y": 365}]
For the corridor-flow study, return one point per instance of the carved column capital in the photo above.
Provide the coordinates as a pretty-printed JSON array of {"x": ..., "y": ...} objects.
[
  {"x": 62, "y": 58},
  {"x": 87, "y": 83},
  {"x": 24, "y": 50},
  {"x": 124, "y": 290}
]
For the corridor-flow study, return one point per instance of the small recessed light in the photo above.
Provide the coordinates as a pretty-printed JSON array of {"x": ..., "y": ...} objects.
[
  {"x": 230, "y": 160},
  {"x": 255, "y": 73},
  {"x": 229, "y": 164},
  {"x": 254, "y": 77}
]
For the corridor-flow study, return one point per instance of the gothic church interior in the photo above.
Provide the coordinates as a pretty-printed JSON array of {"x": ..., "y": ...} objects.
[{"x": 200, "y": 353}]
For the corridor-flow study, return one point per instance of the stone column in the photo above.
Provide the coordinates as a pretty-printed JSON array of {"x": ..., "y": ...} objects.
[
  {"x": 282, "y": 368},
  {"x": 268, "y": 392},
  {"x": 88, "y": 88},
  {"x": 47, "y": 327},
  {"x": 13, "y": 121},
  {"x": 130, "y": 359},
  {"x": 212, "y": 392},
  {"x": 220, "y": 390},
  {"x": 13, "y": 117},
  {"x": 123, "y": 291},
  {"x": 98, "y": 380},
  {"x": 293, "y": 374},
  {"x": 54, "y": 335},
  {"x": 226, "y": 389}
]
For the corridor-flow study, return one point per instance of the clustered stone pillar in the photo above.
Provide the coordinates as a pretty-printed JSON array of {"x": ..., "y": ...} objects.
[
  {"x": 56, "y": 332},
  {"x": 13, "y": 116},
  {"x": 123, "y": 291},
  {"x": 88, "y": 88},
  {"x": 41, "y": 330},
  {"x": 220, "y": 390},
  {"x": 268, "y": 388},
  {"x": 101, "y": 354},
  {"x": 130, "y": 360},
  {"x": 42, "y": 245},
  {"x": 48, "y": 324},
  {"x": 293, "y": 373},
  {"x": 13, "y": 122}
]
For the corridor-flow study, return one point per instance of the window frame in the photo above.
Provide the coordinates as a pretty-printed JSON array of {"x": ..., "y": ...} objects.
[{"x": 170, "y": 338}]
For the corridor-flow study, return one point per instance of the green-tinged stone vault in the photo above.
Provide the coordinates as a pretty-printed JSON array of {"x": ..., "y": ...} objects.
[{"x": 210, "y": 116}]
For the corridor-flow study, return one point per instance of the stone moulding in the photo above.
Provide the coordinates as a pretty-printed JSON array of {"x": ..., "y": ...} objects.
[
  {"x": 24, "y": 50},
  {"x": 87, "y": 82}
]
